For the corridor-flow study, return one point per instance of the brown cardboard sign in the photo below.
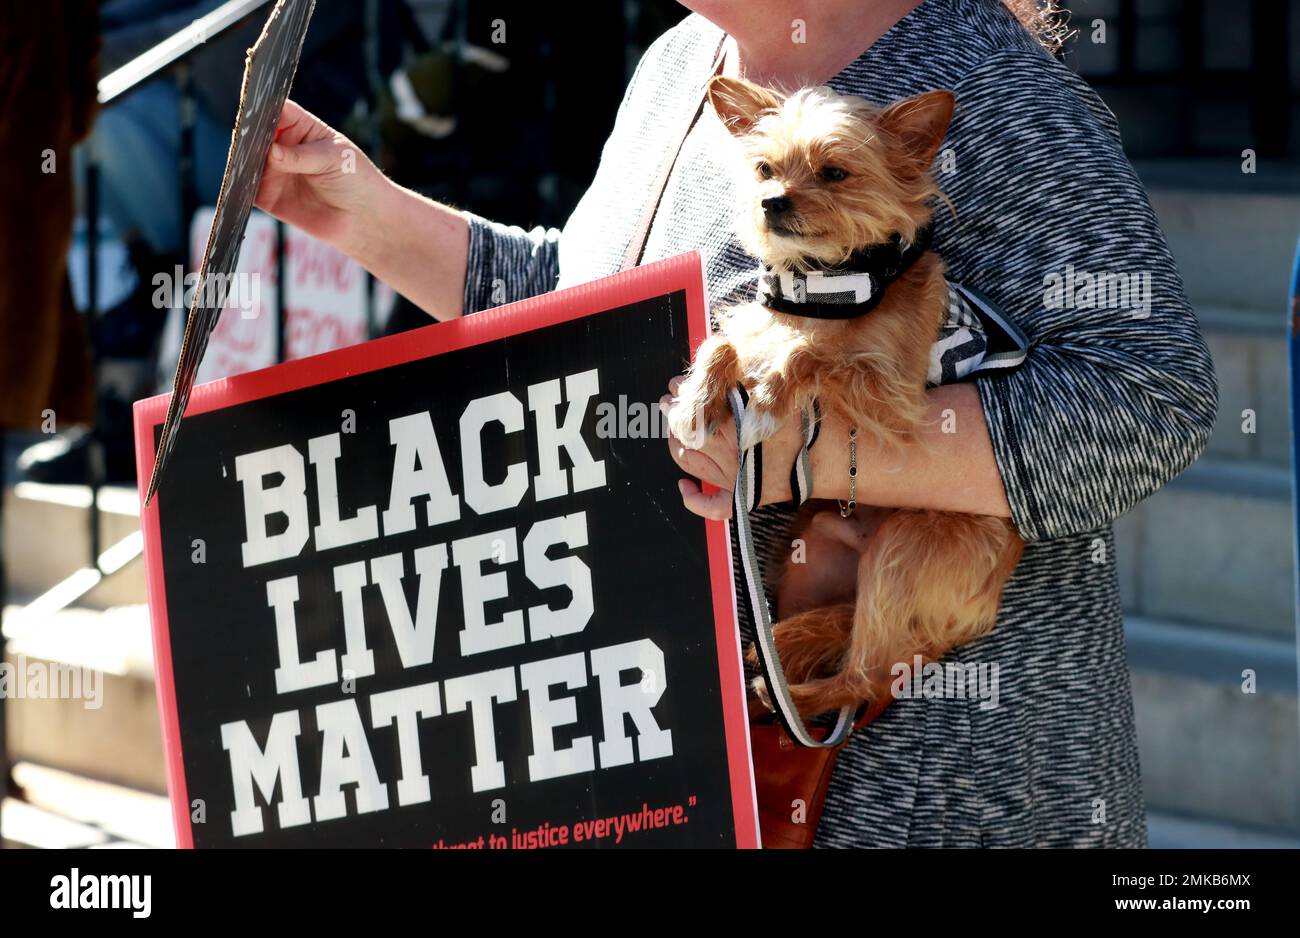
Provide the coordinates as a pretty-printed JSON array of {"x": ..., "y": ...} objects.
[{"x": 268, "y": 76}]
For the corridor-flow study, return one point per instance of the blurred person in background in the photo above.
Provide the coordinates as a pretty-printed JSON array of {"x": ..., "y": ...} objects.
[{"x": 48, "y": 73}]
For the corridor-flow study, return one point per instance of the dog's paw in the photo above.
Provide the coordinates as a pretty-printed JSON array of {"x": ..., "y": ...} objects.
[
  {"x": 689, "y": 426},
  {"x": 688, "y": 417},
  {"x": 757, "y": 426}
]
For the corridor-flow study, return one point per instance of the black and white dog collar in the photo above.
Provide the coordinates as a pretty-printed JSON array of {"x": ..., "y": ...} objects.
[{"x": 847, "y": 291}]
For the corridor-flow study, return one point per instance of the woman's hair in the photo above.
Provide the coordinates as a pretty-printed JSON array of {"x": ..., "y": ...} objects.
[{"x": 1045, "y": 20}]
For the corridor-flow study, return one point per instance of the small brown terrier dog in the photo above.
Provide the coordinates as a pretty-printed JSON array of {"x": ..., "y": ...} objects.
[{"x": 827, "y": 176}]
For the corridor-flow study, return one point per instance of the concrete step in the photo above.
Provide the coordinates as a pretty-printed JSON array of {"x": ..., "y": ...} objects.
[
  {"x": 103, "y": 722},
  {"x": 1216, "y": 173},
  {"x": 1250, "y": 361},
  {"x": 47, "y": 539},
  {"x": 1218, "y": 726},
  {"x": 1213, "y": 547},
  {"x": 1234, "y": 249},
  {"x": 62, "y": 810},
  {"x": 1173, "y": 832},
  {"x": 1211, "y": 754}
]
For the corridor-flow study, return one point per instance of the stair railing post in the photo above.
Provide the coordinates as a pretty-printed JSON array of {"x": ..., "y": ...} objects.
[
  {"x": 187, "y": 114},
  {"x": 281, "y": 292},
  {"x": 4, "y": 739},
  {"x": 94, "y": 454}
]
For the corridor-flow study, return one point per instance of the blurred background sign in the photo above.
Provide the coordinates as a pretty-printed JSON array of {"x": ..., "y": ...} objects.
[{"x": 325, "y": 296}]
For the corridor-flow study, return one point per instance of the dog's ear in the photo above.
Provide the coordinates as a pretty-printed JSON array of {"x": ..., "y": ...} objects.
[
  {"x": 920, "y": 122},
  {"x": 738, "y": 103}
]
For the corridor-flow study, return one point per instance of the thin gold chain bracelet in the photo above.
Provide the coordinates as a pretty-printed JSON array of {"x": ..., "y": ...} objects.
[{"x": 846, "y": 509}]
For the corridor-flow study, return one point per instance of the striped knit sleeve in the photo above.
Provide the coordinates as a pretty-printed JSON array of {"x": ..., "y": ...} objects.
[
  {"x": 1118, "y": 392},
  {"x": 506, "y": 263}
]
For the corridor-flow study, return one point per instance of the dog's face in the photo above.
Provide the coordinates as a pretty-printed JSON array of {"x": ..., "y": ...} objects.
[{"x": 826, "y": 174}]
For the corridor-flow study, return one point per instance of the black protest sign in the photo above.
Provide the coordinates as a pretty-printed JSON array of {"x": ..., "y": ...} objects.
[
  {"x": 268, "y": 75},
  {"x": 439, "y": 590}
]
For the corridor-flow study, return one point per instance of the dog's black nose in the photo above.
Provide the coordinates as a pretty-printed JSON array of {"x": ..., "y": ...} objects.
[{"x": 775, "y": 206}]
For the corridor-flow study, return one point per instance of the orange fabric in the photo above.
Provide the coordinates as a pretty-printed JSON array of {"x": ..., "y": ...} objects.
[{"x": 786, "y": 773}]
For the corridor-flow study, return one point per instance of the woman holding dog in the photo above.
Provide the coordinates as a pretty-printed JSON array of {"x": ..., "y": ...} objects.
[{"x": 1107, "y": 407}]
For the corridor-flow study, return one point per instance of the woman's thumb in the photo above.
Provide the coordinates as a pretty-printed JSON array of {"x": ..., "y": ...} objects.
[{"x": 308, "y": 159}]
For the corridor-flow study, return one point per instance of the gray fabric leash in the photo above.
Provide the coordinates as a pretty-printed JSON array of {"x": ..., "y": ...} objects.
[
  {"x": 800, "y": 472},
  {"x": 755, "y": 597}
]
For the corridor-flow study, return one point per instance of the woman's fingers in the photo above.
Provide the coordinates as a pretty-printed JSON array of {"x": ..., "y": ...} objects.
[
  {"x": 288, "y": 160},
  {"x": 719, "y": 449},
  {"x": 298, "y": 125},
  {"x": 290, "y": 114},
  {"x": 698, "y": 464},
  {"x": 306, "y": 159},
  {"x": 715, "y": 505},
  {"x": 714, "y": 464}
]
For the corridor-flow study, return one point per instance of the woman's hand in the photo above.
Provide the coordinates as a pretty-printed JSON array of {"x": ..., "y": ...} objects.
[
  {"x": 716, "y": 464},
  {"x": 318, "y": 180}
]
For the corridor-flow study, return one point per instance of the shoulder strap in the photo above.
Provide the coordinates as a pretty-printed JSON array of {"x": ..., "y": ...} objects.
[{"x": 640, "y": 234}]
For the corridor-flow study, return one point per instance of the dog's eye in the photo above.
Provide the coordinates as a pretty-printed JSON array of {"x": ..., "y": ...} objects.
[
  {"x": 765, "y": 170},
  {"x": 833, "y": 174}
]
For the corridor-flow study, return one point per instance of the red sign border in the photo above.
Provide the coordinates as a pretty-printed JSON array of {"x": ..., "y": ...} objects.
[{"x": 681, "y": 273}]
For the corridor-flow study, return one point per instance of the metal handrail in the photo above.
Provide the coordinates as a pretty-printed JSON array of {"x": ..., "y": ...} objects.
[{"x": 175, "y": 48}]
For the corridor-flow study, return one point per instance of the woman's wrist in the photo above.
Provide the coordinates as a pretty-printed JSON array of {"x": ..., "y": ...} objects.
[
  {"x": 366, "y": 233},
  {"x": 829, "y": 460},
  {"x": 362, "y": 233},
  {"x": 417, "y": 246},
  {"x": 951, "y": 468},
  {"x": 779, "y": 454}
]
